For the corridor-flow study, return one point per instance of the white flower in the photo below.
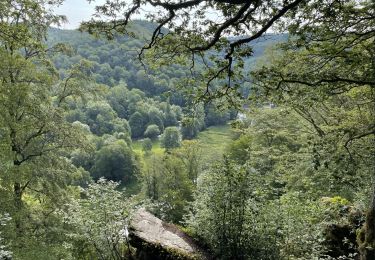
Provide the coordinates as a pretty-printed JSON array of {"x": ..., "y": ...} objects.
[{"x": 124, "y": 232}]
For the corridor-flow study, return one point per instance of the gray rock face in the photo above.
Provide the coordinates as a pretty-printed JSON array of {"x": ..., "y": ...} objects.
[{"x": 155, "y": 239}]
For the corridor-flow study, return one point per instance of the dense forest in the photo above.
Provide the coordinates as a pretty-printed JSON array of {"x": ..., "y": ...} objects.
[{"x": 245, "y": 143}]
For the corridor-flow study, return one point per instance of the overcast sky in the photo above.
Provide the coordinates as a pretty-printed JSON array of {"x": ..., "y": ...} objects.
[
  {"x": 76, "y": 11},
  {"x": 80, "y": 10}
]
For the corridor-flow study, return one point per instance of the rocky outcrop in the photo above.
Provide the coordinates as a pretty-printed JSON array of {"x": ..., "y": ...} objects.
[{"x": 154, "y": 239}]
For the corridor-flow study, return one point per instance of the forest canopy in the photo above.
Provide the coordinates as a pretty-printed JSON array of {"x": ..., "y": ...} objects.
[{"x": 248, "y": 124}]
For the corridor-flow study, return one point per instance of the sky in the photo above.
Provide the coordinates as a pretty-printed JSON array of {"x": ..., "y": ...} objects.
[
  {"x": 80, "y": 10},
  {"x": 76, "y": 11}
]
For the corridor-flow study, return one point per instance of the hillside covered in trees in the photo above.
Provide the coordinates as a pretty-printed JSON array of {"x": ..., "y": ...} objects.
[{"x": 246, "y": 144}]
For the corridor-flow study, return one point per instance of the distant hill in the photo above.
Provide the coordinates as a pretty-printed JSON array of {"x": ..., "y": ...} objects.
[
  {"x": 116, "y": 60},
  {"x": 261, "y": 44}
]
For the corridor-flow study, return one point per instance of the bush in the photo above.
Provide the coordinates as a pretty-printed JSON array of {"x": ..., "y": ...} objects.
[
  {"x": 171, "y": 138},
  {"x": 115, "y": 161},
  {"x": 4, "y": 253},
  {"x": 220, "y": 212},
  {"x": 152, "y": 131},
  {"x": 147, "y": 145},
  {"x": 98, "y": 222}
]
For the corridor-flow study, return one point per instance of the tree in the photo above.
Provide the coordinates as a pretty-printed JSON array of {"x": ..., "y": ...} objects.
[
  {"x": 322, "y": 85},
  {"x": 98, "y": 223},
  {"x": 326, "y": 74},
  {"x": 215, "y": 115},
  {"x": 137, "y": 124},
  {"x": 152, "y": 131},
  {"x": 146, "y": 145},
  {"x": 193, "y": 32},
  {"x": 170, "y": 116},
  {"x": 171, "y": 138},
  {"x": 151, "y": 177},
  {"x": 189, "y": 128},
  {"x": 35, "y": 134},
  {"x": 239, "y": 149},
  {"x": 102, "y": 119},
  {"x": 190, "y": 153},
  {"x": 115, "y": 161},
  {"x": 193, "y": 122},
  {"x": 118, "y": 99},
  {"x": 222, "y": 212},
  {"x": 167, "y": 184},
  {"x": 155, "y": 117}
]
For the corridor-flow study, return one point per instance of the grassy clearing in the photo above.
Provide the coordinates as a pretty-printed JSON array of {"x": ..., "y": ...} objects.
[
  {"x": 156, "y": 149},
  {"x": 135, "y": 186},
  {"x": 214, "y": 140}
]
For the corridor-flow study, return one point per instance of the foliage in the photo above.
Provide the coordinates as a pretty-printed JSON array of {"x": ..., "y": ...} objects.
[
  {"x": 215, "y": 116},
  {"x": 35, "y": 137},
  {"x": 171, "y": 138},
  {"x": 167, "y": 185},
  {"x": 4, "y": 253},
  {"x": 99, "y": 221},
  {"x": 137, "y": 124},
  {"x": 239, "y": 149},
  {"x": 146, "y": 145},
  {"x": 325, "y": 74},
  {"x": 102, "y": 119},
  {"x": 216, "y": 62},
  {"x": 285, "y": 190},
  {"x": 190, "y": 154},
  {"x": 115, "y": 63},
  {"x": 235, "y": 219},
  {"x": 192, "y": 124},
  {"x": 152, "y": 131},
  {"x": 300, "y": 225},
  {"x": 189, "y": 128},
  {"x": 294, "y": 184},
  {"x": 155, "y": 117},
  {"x": 222, "y": 214},
  {"x": 170, "y": 116},
  {"x": 115, "y": 161}
]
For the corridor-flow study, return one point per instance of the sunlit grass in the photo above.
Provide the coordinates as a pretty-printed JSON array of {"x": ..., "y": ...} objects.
[
  {"x": 214, "y": 140},
  {"x": 156, "y": 149}
]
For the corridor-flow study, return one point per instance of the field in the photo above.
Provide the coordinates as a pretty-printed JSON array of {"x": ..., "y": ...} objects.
[
  {"x": 137, "y": 147},
  {"x": 214, "y": 140},
  {"x": 213, "y": 143}
]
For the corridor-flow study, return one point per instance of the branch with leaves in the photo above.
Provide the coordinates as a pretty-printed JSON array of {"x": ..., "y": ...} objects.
[{"x": 196, "y": 30}]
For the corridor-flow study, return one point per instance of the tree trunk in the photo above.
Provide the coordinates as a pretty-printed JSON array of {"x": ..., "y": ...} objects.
[
  {"x": 17, "y": 195},
  {"x": 366, "y": 239},
  {"x": 18, "y": 206}
]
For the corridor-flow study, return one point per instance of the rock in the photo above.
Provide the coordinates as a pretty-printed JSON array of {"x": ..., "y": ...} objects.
[{"x": 155, "y": 239}]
